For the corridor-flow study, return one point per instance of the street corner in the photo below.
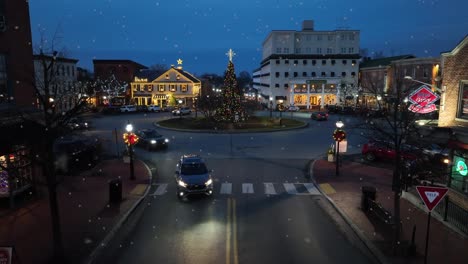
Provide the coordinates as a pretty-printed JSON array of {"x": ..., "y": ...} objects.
[{"x": 327, "y": 188}]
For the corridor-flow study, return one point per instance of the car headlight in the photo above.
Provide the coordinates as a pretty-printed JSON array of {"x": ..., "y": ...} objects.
[
  {"x": 182, "y": 183},
  {"x": 166, "y": 140},
  {"x": 86, "y": 124},
  {"x": 153, "y": 141},
  {"x": 208, "y": 182}
]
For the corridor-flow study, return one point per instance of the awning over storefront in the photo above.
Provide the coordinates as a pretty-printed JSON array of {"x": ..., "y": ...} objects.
[{"x": 280, "y": 97}]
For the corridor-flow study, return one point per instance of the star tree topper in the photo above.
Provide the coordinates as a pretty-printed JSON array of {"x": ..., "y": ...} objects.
[
  {"x": 230, "y": 54},
  {"x": 179, "y": 62}
]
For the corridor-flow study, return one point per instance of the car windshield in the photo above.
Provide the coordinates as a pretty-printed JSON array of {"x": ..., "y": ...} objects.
[
  {"x": 151, "y": 134},
  {"x": 193, "y": 169}
]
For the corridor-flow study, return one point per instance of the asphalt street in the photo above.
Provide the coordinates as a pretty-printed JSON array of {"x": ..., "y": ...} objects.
[{"x": 264, "y": 208}]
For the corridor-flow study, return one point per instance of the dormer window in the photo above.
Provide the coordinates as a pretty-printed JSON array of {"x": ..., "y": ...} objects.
[{"x": 167, "y": 76}]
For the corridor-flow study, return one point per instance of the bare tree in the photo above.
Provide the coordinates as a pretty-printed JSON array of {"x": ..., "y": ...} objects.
[
  {"x": 397, "y": 125},
  {"x": 51, "y": 118}
]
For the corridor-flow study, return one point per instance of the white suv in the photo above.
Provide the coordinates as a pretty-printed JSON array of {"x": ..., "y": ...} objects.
[
  {"x": 127, "y": 108},
  {"x": 153, "y": 108}
]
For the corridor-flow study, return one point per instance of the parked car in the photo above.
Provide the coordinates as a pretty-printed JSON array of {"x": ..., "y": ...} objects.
[
  {"x": 184, "y": 110},
  {"x": 168, "y": 108},
  {"x": 193, "y": 177},
  {"x": 384, "y": 150},
  {"x": 78, "y": 124},
  {"x": 141, "y": 108},
  {"x": 153, "y": 108},
  {"x": 293, "y": 108},
  {"x": 128, "y": 108},
  {"x": 151, "y": 139},
  {"x": 74, "y": 153},
  {"x": 319, "y": 116}
]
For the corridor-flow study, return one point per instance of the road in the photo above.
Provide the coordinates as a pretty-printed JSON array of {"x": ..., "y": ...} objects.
[{"x": 265, "y": 208}]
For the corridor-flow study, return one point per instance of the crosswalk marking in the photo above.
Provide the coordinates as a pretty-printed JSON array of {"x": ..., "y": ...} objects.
[
  {"x": 226, "y": 188},
  {"x": 311, "y": 188},
  {"x": 290, "y": 188},
  {"x": 247, "y": 188},
  {"x": 269, "y": 188},
  {"x": 161, "y": 189}
]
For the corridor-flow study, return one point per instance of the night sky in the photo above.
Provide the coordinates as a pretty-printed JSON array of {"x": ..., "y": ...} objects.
[{"x": 200, "y": 32}]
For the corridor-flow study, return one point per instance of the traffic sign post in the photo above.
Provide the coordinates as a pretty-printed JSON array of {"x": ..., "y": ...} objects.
[{"x": 431, "y": 197}]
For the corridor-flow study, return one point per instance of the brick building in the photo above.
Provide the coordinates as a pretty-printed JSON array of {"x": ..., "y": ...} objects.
[
  {"x": 17, "y": 95},
  {"x": 117, "y": 73},
  {"x": 454, "y": 111}
]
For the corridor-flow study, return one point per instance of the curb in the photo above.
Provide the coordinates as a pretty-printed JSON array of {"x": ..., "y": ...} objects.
[
  {"x": 377, "y": 254},
  {"x": 91, "y": 258}
]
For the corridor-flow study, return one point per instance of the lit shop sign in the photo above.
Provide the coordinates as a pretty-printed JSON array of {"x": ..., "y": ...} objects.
[
  {"x": 460, "y": 166},
  {"x": 423, "y": 100}
]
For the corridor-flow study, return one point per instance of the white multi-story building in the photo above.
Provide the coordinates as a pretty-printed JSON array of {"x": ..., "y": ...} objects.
[
  {"x": 62, "y": 86},
  {"x": 309, "y": 68}
]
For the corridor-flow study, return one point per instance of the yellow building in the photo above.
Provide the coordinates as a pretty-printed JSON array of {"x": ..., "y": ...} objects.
[{"x": 173, "y": 87}]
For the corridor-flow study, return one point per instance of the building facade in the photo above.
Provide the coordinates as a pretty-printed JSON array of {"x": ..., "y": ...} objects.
[
  {"x": 381, "y": 79},
  {"x": 113, "y": 78},
  {"x": 63, "y": 87},
  {"x": 174, "y": 87},
  {"x": 17, "y": 95},
  {"x": 308, "y": 68},
  {"x": 454, "y": 112}
]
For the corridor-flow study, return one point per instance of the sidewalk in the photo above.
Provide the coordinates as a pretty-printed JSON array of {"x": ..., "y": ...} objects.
[
  {"x": 445, "y": 245},
  {"x": 85, "y": 213}
]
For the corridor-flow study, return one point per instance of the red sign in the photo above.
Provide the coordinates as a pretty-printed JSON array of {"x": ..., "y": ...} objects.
[
  {"x": 422, "y": 109},
  {"x": 431, "y": 195},
  {"x": 423, "y": 96}
]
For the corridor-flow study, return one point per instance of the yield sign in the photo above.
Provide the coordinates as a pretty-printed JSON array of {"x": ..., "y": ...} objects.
[
  {"x": 423, "y": 96},
  {"x": 431, "y": 195}
]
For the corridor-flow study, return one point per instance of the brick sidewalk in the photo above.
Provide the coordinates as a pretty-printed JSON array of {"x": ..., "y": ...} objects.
[
  {"x": 445, "y": 245},
  {"x": 85, "y": 212}
]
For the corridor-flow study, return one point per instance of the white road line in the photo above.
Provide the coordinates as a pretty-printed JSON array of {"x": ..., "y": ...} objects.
[
  {"x": 269, "y": 188},
  {"x": 290, "y": 188},
  {"x": 226, "y": 188},
  {"x": 311, "y": 188},
  {"x": 161, "y": 189},
  {"x": 247, "y": 188}
]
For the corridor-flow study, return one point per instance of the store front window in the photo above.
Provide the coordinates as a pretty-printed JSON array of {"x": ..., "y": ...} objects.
[
  {"x": 15, "y": 171},
  {"x": 459, "y": 172}
]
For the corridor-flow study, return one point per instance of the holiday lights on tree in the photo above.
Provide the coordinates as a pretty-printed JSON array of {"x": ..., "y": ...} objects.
[{"x": 231, "y": 109}]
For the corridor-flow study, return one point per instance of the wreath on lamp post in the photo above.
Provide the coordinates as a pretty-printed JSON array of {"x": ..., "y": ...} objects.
[{"x": 339, "y": 135}]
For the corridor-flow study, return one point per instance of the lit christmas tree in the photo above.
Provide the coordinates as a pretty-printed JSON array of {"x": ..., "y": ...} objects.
[{"x": 231, "y": 109}]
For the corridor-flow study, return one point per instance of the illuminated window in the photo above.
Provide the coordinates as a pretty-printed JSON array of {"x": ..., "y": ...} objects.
[
  {"x": 161, "y": 88},
  {"x": 463, "y": 101},
  {"x": 150, "y": 88},
  {"x": 167, "y": 76},
  {"x": 183, "y": 87},
  {"x": 173, "y": 88}
]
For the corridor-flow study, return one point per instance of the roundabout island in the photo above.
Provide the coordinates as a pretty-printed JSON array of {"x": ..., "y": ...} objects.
[{"x": 253, "y": 124}]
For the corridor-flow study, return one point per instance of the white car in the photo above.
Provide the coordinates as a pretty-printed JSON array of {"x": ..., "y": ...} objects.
[
  {"x": 128, "y": 108},
  {"x": 293, "y": 108},
  {"x": 182, "y": 111},
  {"x": 153, "y": 108}
]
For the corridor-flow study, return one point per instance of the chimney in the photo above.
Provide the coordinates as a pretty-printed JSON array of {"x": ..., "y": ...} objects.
[{"x": 308, "y": 25}]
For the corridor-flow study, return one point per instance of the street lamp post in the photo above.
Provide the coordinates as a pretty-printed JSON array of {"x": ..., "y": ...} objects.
[
  {"x": 339, "y": 135},
  {"x": 280, "y": 107},
  {"x": 271, "y": 107},
  {"x": 180, "y": 110},
  {"x": 196, "y": 106},
  {"x": 129, "y": 129}
]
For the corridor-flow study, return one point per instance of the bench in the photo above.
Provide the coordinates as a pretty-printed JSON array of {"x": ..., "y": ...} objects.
[{"x": 381, "y": 213}]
